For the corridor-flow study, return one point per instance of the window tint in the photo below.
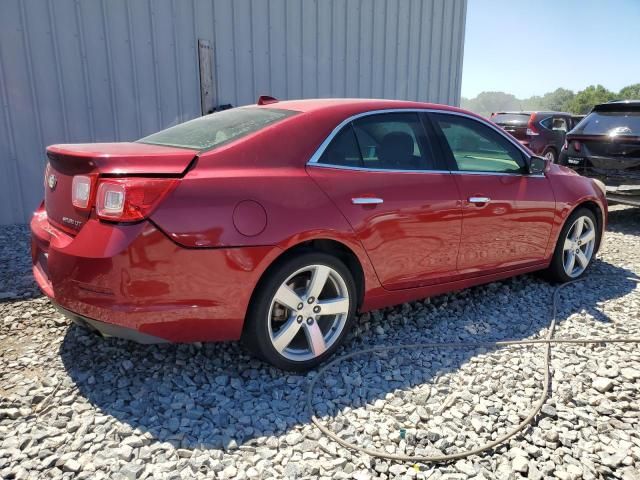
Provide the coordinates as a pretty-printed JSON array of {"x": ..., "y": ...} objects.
[
  {"x": 343, "y": 150},
  {"x": 477, "y": 147},
  {"x": 218, "y": 128},
  {"x": 394, "y": 141}
]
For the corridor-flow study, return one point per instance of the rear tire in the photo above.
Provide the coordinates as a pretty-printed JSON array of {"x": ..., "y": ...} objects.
[
  {"x": 551, "y": 155},
  {"x": 575, "y": 248},
  {"x": 301, "y": 311}
]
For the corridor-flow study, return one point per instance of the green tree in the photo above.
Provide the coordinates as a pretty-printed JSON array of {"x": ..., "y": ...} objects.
[
  {"x": 557, "y": 101},
  {"x": 487, "y": 103},
  {"x": 584, "y": 100},
  {"x": 631, "y": 92}
]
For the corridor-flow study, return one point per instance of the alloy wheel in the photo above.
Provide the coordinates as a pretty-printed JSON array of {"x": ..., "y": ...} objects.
[
  {"x": 579, "y": 246},
  {"x": 308, "y": 312},
  {"x": 550, "y": 156}
]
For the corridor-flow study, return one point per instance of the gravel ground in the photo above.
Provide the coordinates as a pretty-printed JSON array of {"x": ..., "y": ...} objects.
[{"x": 73, "y": 405}]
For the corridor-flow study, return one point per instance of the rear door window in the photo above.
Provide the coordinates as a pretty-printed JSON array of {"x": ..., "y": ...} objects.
[
  {"x": 386, "y": 141},
  {"x": 213, "y": 130},
  {"x": 393, "y": 141}
]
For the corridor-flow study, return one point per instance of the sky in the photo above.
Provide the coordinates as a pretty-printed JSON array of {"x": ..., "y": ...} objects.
[{"x": 533, "y": 47}]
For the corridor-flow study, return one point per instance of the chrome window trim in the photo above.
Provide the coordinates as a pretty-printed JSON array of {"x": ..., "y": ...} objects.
[
  {"x": 502, "y": 174},
  {"x": 368, "y": 169},
  {"x": 313, "y": 161}
]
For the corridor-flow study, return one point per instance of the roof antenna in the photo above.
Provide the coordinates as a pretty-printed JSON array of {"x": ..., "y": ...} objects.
[{"x": 266, "y": 100}]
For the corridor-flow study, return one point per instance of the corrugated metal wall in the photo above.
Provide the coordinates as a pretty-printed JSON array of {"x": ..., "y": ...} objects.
[{"x": 115, "y": 70}]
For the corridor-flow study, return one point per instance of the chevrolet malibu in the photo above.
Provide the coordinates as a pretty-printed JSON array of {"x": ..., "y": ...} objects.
[{"x": 275, "y": 223}]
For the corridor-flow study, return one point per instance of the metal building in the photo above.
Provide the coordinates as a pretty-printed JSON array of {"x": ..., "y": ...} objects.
[{"x": 76, "y": 71}]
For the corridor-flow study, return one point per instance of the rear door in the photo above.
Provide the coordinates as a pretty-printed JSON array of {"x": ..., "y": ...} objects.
[
  {"x": 507, "y": 213},
  {"x": 402, "y": 203}
]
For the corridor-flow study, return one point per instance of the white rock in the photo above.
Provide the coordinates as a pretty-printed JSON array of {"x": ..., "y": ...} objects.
[
  {"x": 520, "y": 464},
  {"x": 602, "y": 384}
]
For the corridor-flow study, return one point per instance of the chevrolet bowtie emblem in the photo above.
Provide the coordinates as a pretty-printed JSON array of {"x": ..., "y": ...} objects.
[{"x": 52, "y": 181}]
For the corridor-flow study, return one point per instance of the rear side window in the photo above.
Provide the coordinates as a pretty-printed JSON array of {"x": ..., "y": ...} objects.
[
  {"x": 343, "y": 151},
  {"x": 213, "y": 130},
  {"x": 609, "y": 123},
  {"x": 387, "y": 141},
  {"x": 476, "y": 147},
  {"x": 547, "y": 123}
]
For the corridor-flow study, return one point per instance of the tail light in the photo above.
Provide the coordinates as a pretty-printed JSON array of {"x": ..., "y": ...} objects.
[
  {"x": 531, "y": 128},
  {"x": 131, "y": 199},
  {"x": 565, "y": 145},
  {"x": 577, "y": 145},
  {"x": 81, "y": 191}
]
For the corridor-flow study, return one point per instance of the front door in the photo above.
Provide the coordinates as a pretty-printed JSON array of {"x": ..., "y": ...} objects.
[
  {"x": 507, "y": 213},
  {"x": 404, "y": 207}
]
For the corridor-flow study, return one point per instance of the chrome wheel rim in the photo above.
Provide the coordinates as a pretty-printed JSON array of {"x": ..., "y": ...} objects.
[
  {"x": 549, "y": 156},
  {"x": 578, "y": 246},
  {"x": 308, "y": 312}
]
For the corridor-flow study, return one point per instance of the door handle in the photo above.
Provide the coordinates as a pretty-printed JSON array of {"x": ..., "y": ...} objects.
[
  {"x": 479, "y": 199},
  {"x": 366, "y": 201}
]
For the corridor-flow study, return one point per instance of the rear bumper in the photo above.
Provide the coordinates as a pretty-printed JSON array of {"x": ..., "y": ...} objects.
[
  {"x": 110, "y": 329},
  {"x": 623, "y": 186},
  {"x": 132, "y": 281}
]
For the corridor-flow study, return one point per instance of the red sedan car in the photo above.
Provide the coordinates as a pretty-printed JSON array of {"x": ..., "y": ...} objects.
[{"x": 275, "y": 223}]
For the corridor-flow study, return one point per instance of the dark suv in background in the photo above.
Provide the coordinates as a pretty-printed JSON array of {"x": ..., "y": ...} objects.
[
  {"x": 606, "y": 145},
  {"x": 542, "y": 132}
]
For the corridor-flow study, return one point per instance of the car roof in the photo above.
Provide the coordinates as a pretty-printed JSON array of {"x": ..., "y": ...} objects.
[
  {"x": 353, "y": 106},
  {"x": 625, "y": 101},
  {"x": 618, "y": 106}
]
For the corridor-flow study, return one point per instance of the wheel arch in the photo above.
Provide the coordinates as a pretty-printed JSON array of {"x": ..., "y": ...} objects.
[
  {"x": 326, "y": 245},
  {"x": 597, "y": 212}
]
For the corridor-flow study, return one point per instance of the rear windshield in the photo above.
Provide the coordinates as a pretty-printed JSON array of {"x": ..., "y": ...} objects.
[
  {"x": 609, "y": 123},
  {"x": 213, "y": 130},
  {"x": 511, "y": 118}
]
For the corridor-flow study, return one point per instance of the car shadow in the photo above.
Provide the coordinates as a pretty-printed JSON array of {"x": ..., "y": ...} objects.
[
  {"x": 15, "y": 265},
  {"x": 624, "y": 219},
  {"x": 218, "y": 396}
]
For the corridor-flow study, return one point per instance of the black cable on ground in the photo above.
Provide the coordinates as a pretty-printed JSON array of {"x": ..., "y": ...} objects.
[{"x": 547, "y": 341}]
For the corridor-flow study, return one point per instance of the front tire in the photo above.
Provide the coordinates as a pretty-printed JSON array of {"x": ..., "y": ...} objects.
[
  {"x": 301, "y": 311},
  {"x": 576, "y": 246}
]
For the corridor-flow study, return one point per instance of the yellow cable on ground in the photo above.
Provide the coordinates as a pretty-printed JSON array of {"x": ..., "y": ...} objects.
[{"x": 547, "y": 341}]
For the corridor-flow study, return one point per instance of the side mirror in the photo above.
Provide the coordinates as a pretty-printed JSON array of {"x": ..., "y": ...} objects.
[{"x": 537, "y": 165}]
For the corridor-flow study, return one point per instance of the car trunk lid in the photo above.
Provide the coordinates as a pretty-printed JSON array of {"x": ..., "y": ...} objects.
[{"x": 102, "y": 159}]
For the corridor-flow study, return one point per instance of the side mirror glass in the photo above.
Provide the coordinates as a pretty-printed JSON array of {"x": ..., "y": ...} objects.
[{"x": 537, "y": 165}]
